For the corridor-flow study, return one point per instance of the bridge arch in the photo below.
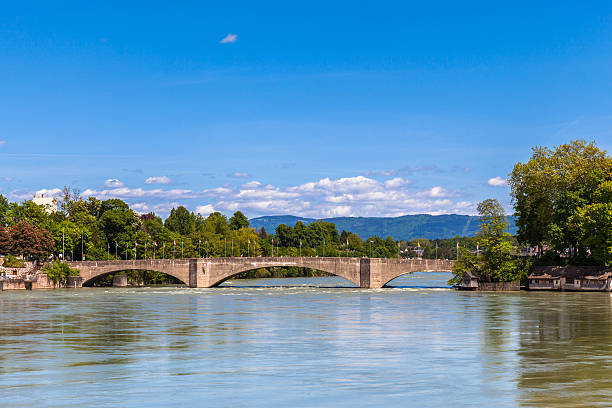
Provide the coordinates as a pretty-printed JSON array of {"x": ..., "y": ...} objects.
[
  {"x": 180, "y": 269},
  {"x": 219, "y": 271},
  {"x": 234, "y": 274},
  {"x": 394, "y": 268},
  {"x": 91, "y": 280}
]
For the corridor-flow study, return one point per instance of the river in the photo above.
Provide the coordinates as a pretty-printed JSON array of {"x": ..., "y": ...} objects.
[{"x": 304, "y": 342}]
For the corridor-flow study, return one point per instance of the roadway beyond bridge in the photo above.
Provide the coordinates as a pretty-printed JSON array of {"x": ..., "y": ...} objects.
[{"x": 366, "y": 273}]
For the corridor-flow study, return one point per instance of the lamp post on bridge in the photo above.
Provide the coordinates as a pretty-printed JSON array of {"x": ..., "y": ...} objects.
[
  {"x": 199, "y": 252},
  {"x": 371, "y": 248}
]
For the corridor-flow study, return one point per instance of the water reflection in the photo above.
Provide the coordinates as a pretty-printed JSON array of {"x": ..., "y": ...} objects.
[
  {"x": 565, "y": 349},
  {"x": 309, "y": 344}
]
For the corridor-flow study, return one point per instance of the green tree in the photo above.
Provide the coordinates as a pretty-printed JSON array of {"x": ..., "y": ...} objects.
[
  {"x": 286, "y": 236},
  {"x": 181, "y": 221},
  {"x": 216, "y": 223},
  {"x": 551, "y": 185},
  {"x": 466, "y": 262},
  {"x": 58, "y": 272},
  {"x": 238, "y": 221},
  {"x": 66, "y": 235},
  {"x": 262, "y": 233},
  {"x": 33, "y": 213},
  {"x": 4, "y": 211},
  {"x": 593, "y": 224},
  {"x": 116, "y": 221},
  {"x": 498, "y": 261},
  {"x": 112, "y": 204},
  {"x": 497, "y": 251}
]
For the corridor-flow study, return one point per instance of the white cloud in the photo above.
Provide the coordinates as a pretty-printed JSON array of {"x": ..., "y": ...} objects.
[
  {"x": 113, "y": 183},
  {"x": 158, "y": 180},
  {"x": 396, "y": 182},
  {"x": 404, "y": 170},
  {"x": 217, "y": 191},
  {"x": 239, "y": 175},
  {"x": 53, "y": 192},
  {"x": 358, "y": 196},
  {"x": 126, "y": 192},
  {"x": 141, "y": 207},
  {"x": 205, "y": 210},
  {"x": 497, "y": 182},
  {"x": 18, "y": 195},
  {"x": 346, "y": 184},
  {"x": 327, "y": 197},
  {"x": 230, "y": 38},
  {"x": 251, "y": 184},
  {"x": 272, "y": 194},
  {"x": 163, "y": 208},
  {"x": 436, "y": 192}
]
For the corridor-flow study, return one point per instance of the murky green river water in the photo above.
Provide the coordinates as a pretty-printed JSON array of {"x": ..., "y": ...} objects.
[{"x": 253, "y": 343}]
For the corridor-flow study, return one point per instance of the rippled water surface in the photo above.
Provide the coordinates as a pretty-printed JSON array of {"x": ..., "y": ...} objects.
[{"x": 305, "y": 342}]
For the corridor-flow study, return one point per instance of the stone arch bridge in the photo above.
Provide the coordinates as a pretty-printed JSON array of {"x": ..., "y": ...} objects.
[{"x": 208, "y": 272}]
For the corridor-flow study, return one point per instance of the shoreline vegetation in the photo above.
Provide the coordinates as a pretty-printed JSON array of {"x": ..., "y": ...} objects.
[
  {"x": 91, "y": 229},
  {"x": 562, "y": 199}
]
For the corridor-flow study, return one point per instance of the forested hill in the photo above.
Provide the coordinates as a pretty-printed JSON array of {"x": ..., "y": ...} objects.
[{"x": 400, "y": 228}]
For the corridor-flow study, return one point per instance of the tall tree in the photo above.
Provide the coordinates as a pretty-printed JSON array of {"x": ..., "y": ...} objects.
[
  {"x": 496, "y": 244},
  {"x": 548, "y": 188},
  {"x": 181, "y": 221},
  {"x": 286, "y": 236},
  {"x": 238, "y": 221},
  {"x": 216, "y": 223},
  {"x": 593, "y": 223},
  {"x": 4, "y": 211}
]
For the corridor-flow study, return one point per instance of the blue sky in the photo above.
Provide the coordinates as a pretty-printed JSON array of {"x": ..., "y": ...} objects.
[{"x": 319, "y": 109}]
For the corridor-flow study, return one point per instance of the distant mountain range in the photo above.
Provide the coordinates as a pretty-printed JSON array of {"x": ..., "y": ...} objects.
[{"x": 400, "y": 228}]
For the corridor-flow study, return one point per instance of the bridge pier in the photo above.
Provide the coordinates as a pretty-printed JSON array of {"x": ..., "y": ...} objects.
[{"x": 120, "y": 281}]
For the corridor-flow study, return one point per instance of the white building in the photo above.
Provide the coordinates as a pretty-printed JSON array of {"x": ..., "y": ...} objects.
[{"x": 49, "y": 203}]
